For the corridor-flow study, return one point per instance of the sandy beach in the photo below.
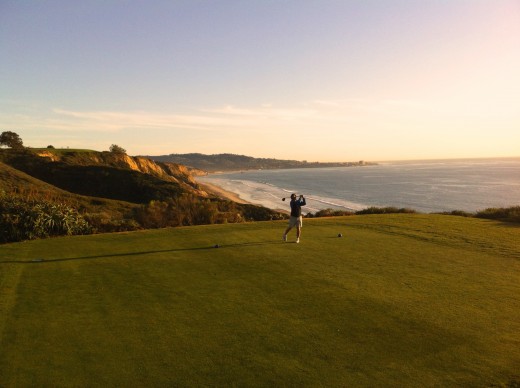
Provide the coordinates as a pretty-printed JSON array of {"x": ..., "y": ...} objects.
[
  {"x": 231, "y": 196},
  {"x": 221, "y": 193}
]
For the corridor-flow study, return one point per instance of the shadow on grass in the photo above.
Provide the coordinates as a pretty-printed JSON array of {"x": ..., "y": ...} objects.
[
  {"x": 510, "y": 224},
  {"x": 40, "y": 261}
]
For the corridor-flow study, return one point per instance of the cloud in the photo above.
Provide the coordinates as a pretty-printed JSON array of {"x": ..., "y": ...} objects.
[
  {"x": 259, "y": 119},
  {"x": 114, "y": 121},
  {"x": 263, "y": 119},
  {"x": 227, "y": 117},
  {"x": 266, "y": 112}
]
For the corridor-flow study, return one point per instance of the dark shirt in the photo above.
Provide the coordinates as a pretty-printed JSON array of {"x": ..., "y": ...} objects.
[{"x": 296, "y": 206}]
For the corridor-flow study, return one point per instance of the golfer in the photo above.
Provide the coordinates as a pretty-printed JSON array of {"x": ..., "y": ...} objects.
[{"x": 296, "y": 217}]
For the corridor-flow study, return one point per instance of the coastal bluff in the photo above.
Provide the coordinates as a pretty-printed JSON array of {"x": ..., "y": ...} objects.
[{"x": 233, "y": 162}]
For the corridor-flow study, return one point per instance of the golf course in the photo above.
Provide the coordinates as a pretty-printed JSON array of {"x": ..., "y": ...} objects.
[{"x": 399, "y": 300}]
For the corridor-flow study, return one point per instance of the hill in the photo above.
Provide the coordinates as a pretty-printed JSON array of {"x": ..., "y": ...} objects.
[
  {"x": 116, "y": 191},
  {"x": 18, "y": 182},
  {"x": 104, "y": 174},
  {"x": 232, "y": 162},
  {"x": 400, "y": 300}
]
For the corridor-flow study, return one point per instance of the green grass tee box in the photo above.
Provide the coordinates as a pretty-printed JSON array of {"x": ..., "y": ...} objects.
[{"x": 399, "y": 300}]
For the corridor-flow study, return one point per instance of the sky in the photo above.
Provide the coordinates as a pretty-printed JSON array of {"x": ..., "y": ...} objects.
[{"x": 315, "y": 80}]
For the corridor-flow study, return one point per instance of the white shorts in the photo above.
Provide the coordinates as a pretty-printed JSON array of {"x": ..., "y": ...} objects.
[{"x": 295, "y": 221}]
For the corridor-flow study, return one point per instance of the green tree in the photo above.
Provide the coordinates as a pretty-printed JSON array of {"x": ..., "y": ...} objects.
[
  {"x": 116, "y": 149},
  {"x": 11, "y": 139}
]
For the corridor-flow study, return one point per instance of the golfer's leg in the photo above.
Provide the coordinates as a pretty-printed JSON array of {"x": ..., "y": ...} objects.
[
  {"x": 298, "y": 231},
  {"x": 284, "y": 237}
]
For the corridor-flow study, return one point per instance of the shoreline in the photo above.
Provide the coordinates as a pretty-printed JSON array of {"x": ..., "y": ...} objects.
[{"x": 222, "y": 193}]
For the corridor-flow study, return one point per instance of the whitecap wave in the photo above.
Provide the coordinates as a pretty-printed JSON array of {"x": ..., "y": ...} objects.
[{"x": 270, "y": 195}]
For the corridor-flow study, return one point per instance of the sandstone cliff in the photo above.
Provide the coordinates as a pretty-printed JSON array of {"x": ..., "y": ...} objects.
[{"x": 172, "y": 172}]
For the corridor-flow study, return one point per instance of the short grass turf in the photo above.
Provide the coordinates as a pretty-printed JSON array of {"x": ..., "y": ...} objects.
[{"x": 399, "y": 300}]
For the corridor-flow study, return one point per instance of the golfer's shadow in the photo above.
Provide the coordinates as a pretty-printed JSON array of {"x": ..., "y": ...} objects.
[{"x": 41, "y": 261}]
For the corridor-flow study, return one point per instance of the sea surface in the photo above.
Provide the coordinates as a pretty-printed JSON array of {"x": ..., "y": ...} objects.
[{"x": 425, "y": 186}]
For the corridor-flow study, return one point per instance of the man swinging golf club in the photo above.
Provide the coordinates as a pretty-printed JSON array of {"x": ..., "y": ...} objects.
[{"x": 296, "y": 216}]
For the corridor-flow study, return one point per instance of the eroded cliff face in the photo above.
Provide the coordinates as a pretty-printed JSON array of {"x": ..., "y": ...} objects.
[
  {"x": 48, "y": 155},
  {"x": 167, "y": 171}
]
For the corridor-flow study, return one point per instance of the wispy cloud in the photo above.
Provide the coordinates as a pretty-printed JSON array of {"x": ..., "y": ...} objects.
[
  {"x": 262, "y": 119},
  {"x": 113, "y": 121},
  {"x": 265, "y": 112},
  {"x": 209, "y": 119}
]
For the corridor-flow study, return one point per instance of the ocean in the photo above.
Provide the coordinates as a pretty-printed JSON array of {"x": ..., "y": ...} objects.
[{"x": 425, "y": 186}]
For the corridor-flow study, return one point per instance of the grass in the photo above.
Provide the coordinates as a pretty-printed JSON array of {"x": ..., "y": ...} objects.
[
  {"x": 399, "y": 300},
  {"x": 62, "y": 151}
]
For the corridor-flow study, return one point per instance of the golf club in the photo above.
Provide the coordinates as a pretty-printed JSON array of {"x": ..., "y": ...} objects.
[{"x": 284, "y": 198}]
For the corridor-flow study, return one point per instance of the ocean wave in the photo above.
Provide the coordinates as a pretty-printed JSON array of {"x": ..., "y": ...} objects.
[
  {"x": 334, "y": 204},
  {"x": 270, "y": 195}
]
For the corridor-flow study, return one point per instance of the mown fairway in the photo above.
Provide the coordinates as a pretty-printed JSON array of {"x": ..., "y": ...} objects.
[{"x": 399, "y": 300}]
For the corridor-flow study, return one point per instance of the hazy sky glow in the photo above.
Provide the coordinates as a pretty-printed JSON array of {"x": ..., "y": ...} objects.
[{"x": 308, "y": 80}]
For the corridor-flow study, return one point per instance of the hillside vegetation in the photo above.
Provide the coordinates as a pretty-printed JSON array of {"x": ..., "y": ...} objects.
[
  {"x": 404, "y": 300},
  {"x": 114, "y": 191},
  {"x": 232, "y": 162},
  {"x": 21, "y": 186}
]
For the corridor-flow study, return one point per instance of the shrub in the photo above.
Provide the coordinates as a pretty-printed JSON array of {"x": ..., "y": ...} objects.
[
  {"x": 385, "y": 210},
  {"x": 187, "y": 209},
  {"x": 330, "y": 213},
  {"x": 184, "y": 210},
  {"x": 260, "y": 213},
  {"x": 510, "y": 214},
  {"x": 460, "y": 213},
  {"x": 104, "y": 222},
  {"x": 23, "y": 219}
]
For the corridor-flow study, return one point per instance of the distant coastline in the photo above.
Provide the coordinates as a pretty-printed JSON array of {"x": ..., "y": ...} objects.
[{"x": 226, "y": 163}]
